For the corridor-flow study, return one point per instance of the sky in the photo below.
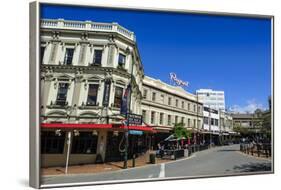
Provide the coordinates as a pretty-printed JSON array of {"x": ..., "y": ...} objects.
[{"x": 226, "y": 53}]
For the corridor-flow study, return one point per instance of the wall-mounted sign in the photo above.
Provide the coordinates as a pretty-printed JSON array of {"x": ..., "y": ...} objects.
[
  {"x": 134, "y": 119},
  {"x": 106, "y": 92},
  {"x": 177, "y": 81},
  {"x": 134, "y": 132}
]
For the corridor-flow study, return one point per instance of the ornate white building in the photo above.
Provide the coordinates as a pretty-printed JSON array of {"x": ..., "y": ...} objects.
[{"x": 86, "y": 68}]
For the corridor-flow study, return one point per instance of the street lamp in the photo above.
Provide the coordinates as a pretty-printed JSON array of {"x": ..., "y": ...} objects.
[{"x": 69, "y": 110}]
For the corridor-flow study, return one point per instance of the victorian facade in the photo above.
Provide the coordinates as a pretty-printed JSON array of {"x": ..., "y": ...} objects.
[{"x": 86, "y": 68}]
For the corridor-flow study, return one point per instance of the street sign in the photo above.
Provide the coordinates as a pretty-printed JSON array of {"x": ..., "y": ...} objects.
[
  {"x": 134, "y": 132},
  {"x": 106, "y": 92},
  {"x": 134, "y": 119}
]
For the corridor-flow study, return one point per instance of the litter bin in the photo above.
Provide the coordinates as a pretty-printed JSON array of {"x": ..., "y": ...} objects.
[{"x": 152, "y": 158}]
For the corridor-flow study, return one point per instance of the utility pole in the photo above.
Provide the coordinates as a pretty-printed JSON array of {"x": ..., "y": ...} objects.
[{"x": 127, "y": 123}]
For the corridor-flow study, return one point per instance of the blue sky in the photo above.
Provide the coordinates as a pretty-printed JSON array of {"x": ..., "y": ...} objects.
[{"x": 218, "y": 52}]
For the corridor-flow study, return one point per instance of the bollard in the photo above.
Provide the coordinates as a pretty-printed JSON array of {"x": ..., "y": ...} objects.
[
  {"x": 134, "y": 161},
  {"x": 258, "y": 147}
]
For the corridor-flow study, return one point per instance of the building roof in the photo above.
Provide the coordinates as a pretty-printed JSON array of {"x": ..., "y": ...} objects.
[
  {"x": 87, "y": 26},
  {"x": 176, "y": 90}
]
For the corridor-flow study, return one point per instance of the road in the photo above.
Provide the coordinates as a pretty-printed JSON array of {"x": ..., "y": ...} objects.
[{"x": 226, "y": 160}]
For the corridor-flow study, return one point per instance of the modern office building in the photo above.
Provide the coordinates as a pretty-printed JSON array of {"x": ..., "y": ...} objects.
[{"x": 212, "y": 98}]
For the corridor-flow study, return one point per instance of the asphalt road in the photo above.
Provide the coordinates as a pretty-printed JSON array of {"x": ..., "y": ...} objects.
[{"x": 226, "y": 160}]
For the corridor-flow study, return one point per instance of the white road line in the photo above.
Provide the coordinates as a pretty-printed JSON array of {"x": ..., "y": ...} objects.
[{"x": 162, "y": 170}]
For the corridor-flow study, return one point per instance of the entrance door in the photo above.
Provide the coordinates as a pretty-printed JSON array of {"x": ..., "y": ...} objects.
[{"x": 112, "y": 146}]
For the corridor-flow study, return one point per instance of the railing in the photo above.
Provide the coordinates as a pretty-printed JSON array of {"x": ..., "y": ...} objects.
[
  {"x": 258, "y": 149},
  {"x": 88, "y": 26}
]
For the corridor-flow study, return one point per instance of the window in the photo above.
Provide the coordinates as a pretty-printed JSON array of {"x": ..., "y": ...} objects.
[
  {"x": 194, "y": 108},
  {"x": 176, "y": 119},
  {"x": 162, "y": 98},
  {"x": 118, "y": 96},
  {"x": 144, "y": 115},
  {"x": 84, "y": 143},
  {"x": 194, "y": 122},
  {"x": 92, "y": 94},
  {"x": 68, "y": 56},
  {"x": 121, "y": 60},
  {"x": 153, "y": 96},
  {"x": 206, "y": 120},
  {"x": 182, "y": 120},
  {"x": 52, "y": 143},
  {"x": 188, "y": 122},
  {"x": 144, "y": 93},
  {"x": 169, "y": 101},
  {"x": 169, "y": 119},
  {"x": 161, "y": 118},
  {"x": 188, "y": 106},
  {"x": 216, "y": 122},
  {"x": 212, "y": 121},
  {"x": 42, "y": 52},
  {"x": 199, "y": 109},
  {"x": 182, "y": 104},
  {"x": 97, "y": 57},
  {"x": 152, "y": 119},
  {"x": 198, "y": 123},
  {"x": 62, "y": 94},
  {"x": 177, "y": 102}
]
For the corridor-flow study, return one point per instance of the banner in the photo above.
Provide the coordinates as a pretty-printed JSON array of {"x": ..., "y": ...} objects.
[
  {"x": 106, "y": 92},
  {"x": 126, "y": 101}
]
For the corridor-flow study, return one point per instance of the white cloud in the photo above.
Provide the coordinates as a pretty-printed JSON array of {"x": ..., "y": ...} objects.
[{"x": 250, "y": 107}]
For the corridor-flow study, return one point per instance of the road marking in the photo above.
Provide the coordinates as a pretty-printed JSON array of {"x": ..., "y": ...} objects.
[
  {"x": 162, "y": 170},
  {"x": 150, "y": 176}
]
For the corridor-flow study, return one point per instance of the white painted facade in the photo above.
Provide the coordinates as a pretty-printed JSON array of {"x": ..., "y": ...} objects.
[
  {"x": 57, "y": 36},
  {"x": 212, "y": 98}
]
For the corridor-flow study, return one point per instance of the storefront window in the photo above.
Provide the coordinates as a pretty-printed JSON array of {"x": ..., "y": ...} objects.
[
  {"x": 84, "y": 143},
  {"x": 52, "y": 143}
]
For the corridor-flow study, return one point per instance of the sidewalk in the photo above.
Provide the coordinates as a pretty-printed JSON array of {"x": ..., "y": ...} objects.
[{"x": 97, "y": 168}]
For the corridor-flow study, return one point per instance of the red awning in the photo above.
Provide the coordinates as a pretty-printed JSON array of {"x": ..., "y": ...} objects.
[{"x": 94, "y": 126}]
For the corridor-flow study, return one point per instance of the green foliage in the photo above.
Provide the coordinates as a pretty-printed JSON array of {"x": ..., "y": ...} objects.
[
  {"x": 180, "y": 131},
  {"x": 242, "y": 130}
]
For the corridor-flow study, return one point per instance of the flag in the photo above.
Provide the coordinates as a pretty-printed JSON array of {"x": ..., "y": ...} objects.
[{"x": 126, "y": 101}]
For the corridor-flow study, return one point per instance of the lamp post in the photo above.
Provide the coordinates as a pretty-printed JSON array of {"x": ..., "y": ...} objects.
[
  {"x": 69, "y": 110},
  {"x": 127, "y": 123}
]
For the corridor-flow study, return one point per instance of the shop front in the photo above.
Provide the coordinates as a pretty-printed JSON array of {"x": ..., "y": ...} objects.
[{"x": 90, "y": 143}]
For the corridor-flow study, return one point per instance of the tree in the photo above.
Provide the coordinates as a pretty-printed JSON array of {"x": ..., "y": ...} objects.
[
  {"x": 180, "y": 131},
  {"x": 244, "y": 131}
]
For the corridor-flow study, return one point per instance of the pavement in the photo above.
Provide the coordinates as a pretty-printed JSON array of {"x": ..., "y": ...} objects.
[{"x": 218, "y": 161}]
